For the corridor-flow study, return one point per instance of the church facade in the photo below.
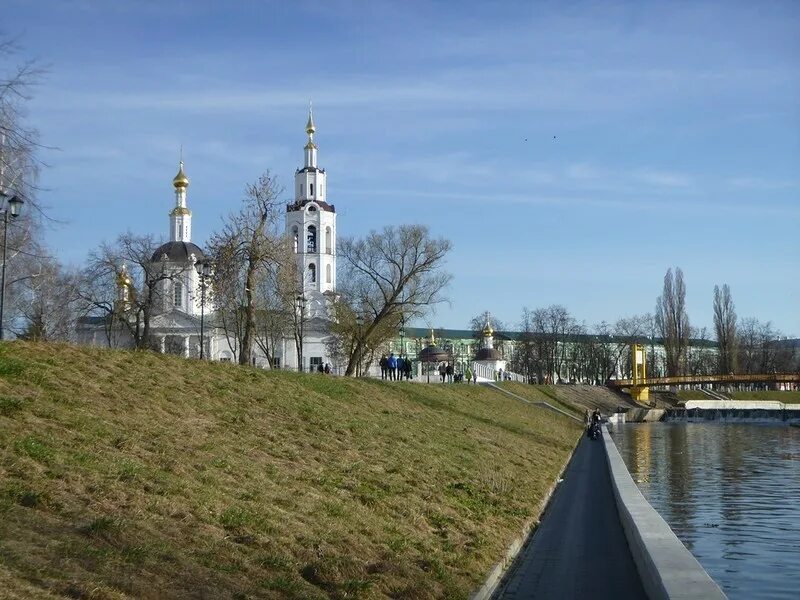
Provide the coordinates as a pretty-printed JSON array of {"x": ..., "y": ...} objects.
[{"x": 180, "y": 310}]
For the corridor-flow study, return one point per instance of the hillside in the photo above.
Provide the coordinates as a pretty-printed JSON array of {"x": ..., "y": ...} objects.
[
  {"x": 575, "y": 399},
  {"x": 139, "y": 475}
]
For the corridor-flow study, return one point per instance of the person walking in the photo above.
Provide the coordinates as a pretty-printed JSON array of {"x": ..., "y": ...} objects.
[
  {"x": 407, "y": 368},
  {"x": 442, "y": 372},
  {"x": 384, "y": 363},
  {"x": 392, "y": 364},
  {"x": 468, "y": 375},
  {"x": 475, "y": 376},
  {"x": 401, "y": 366},
  {"x": 449, "y": 372}
]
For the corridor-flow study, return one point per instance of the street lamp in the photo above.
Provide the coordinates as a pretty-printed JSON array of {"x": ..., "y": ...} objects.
[
  {"x": 13, "y": 207},
  {"x": 360, "y": 324},
  {"x": 301, "y": 309},
  {"x": 204, "y": 272}
]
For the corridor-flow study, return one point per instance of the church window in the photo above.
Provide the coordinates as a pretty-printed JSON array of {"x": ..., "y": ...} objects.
[
  {"x": 311, "y": 239},
  {"x": 328, "y": 240},
  {"x": 327, "y": 273},
  {"x": 312, "y": 273},
  {"x": 295, "y": 238},
  {"x": 310, "y": 189},
  {"x": 178, "y": 297}
]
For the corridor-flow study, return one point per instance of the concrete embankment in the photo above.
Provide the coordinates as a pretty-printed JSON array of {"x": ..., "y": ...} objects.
[
  {"x": 667, "y": 569},
  {"x": 740, "y": 411}
]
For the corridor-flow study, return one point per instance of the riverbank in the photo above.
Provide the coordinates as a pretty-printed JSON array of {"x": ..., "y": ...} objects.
[
  {"x": 122, "y": 473},
  {"x": 723, "y": 489}
]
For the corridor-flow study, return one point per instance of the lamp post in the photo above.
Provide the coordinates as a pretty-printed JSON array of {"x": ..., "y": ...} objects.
[
  {"x": 301, "y": 310},
  {"x": 13, "y": 207},
  {"x": 204, "y": 272}
]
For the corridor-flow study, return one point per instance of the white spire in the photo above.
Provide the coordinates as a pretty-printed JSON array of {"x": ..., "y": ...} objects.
[{"x": 180, "y": 218}]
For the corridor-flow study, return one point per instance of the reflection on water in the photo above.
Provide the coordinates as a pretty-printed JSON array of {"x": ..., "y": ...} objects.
[{"x": 730, "y": 492}]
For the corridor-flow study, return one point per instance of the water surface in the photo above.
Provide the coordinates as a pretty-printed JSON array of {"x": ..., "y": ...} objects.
[{"x": 730, "y": 492}]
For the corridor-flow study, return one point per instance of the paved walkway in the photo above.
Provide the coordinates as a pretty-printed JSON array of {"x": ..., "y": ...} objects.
[{"x": 579, "y": 550}]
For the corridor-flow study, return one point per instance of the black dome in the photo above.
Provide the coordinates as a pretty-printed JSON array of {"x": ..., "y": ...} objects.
[
  {"x": 178, "y": 252},
  {"x": 432, "y": 354},
  {"x": 488, "y": 354}
]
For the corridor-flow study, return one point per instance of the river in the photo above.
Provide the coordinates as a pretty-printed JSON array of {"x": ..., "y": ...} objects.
[{"x": 730, "y": 492}]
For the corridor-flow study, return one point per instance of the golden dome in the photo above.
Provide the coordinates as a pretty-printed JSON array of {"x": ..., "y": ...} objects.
[
  {"x": 123, "y": 280},
  {"x": 487, "y": 330},
  {"x": 180, "y": 210},
  {"x": 310, "y": 125},
  {"x": 181, "y": 180}
]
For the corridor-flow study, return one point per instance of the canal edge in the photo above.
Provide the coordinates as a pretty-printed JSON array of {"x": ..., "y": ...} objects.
[
  {"x": 666, "y": 567},
  {"x": 497, "y": 574}
]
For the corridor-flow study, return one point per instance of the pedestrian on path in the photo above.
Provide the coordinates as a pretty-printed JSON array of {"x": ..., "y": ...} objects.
[
  {"x": 442, "y": 372},
  {"x": 449, "y": 372},
  {"x": 392, "y": 363},
  {"x": 475, "y": 376},
  {"x": 468, "y": 375}
]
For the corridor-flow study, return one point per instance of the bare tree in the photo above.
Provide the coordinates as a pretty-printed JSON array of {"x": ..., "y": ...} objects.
[
  {"x": 725, "y": 327},
  {"x": 546, "y": 333},
  {"x": 673, "y": 321},
  {"x": 244, "y": 251},
  {"x": 19, "y": 169},
  {"x": 50, "y": 310},
  {"x": 275, "y": 295},
  {"x": 98, "y": 292},
  {"x": 389, "y": 275}
]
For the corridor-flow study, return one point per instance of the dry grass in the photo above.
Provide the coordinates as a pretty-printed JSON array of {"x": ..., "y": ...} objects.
[
  {"x": 138, "y": 475},
  {"x": 574, "y": 399}
]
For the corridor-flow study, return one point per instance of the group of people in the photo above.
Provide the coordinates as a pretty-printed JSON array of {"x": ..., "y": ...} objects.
[
  {"x": 324, "y": 369},
  {"x": 447, "y": 374},
  {"x": 394, "y": 367}
]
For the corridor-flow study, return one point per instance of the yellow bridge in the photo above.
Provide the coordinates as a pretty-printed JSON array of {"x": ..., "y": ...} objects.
[{"x": 640, "y": 384}]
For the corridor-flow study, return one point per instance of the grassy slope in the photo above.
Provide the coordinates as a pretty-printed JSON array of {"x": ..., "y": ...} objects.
[
  {"x": 574, "y": 399},
  {"x": 787, "y": 397},
  {"x": 134, "y": 474}
]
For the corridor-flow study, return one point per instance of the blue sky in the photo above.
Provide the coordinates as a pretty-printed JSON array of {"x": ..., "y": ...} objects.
[{"x": 572, "y": 151}]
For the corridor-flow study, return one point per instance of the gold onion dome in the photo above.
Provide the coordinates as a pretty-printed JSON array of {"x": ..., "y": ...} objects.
[
  {"x": 123, "y": 279},
  {"x": 181, "y": 180},
  {"x": 488, "y": 331},
  {"x": 310, "y": 125}
]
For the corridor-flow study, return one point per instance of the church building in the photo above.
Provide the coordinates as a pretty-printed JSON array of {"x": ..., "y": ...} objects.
[{"x": 179, "y": 302}]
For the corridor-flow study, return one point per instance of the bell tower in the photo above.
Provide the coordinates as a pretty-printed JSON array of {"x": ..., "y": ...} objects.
[{"x": 311, "y": 224}]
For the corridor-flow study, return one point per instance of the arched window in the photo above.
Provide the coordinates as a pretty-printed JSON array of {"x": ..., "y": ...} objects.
[
  {"x": 327, "y": 274},
  {"x": 312, "y": 273},
  {"x": 178, "y": 293},
  {"x": 311, "y": 239},
  {"x": 294, "y": 239},
  {"x": 328, "y": 241}
]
